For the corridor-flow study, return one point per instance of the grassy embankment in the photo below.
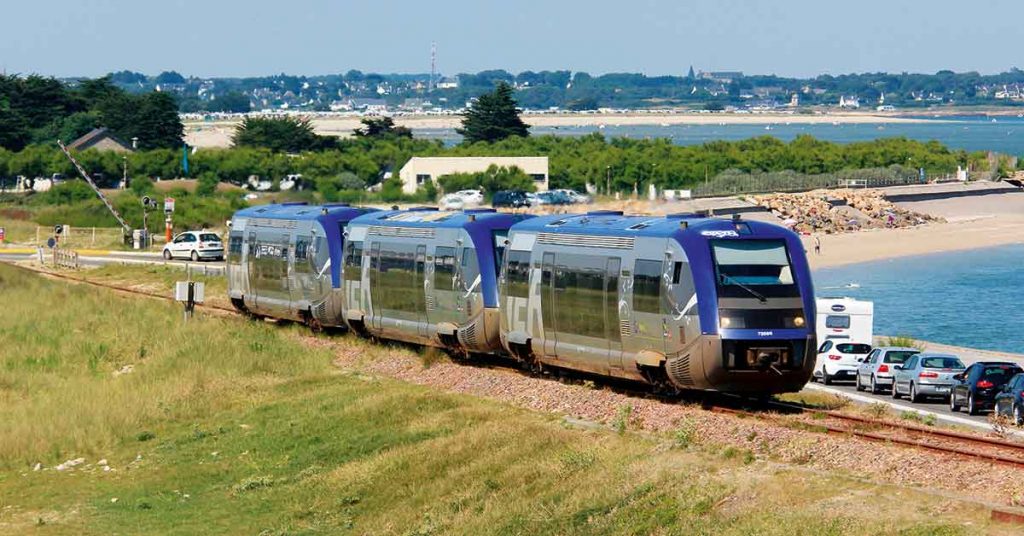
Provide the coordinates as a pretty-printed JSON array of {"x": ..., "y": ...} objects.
[{"x": 229, "y": 426}]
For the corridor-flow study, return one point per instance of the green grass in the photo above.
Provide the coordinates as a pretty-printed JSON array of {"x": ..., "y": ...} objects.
[{"x": 230, "y": 426}]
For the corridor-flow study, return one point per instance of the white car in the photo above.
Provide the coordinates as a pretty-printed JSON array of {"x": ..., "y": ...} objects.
[
  {"x": 452, "y": 202},
  {"x": 839, "y": 360},
  {"x": 195, "y": 245},
  {"x": 470, "y": 198}
]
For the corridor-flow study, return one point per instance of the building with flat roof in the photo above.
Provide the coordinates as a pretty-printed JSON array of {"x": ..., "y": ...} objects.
[{"x": 418, "y": 170}]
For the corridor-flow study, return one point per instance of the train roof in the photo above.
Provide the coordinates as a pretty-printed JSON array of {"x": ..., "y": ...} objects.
[
  {"x": 431, "y": 217},
  {"x": 614, "y": 223},
  {"x": 302, "y": 211}
]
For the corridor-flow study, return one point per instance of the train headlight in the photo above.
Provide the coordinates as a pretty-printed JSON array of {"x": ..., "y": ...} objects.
[{"x": 798, "y": 321}]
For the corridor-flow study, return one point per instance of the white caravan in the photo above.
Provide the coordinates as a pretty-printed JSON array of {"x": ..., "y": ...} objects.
[{"x": 845, "y": 320}]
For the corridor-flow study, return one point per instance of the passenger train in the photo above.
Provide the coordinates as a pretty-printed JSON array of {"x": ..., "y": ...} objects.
[{"x": 677, "y": 302}]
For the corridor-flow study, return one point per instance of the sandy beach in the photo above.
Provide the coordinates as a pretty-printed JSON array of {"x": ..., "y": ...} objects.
[
  {"x": 971, "y": 223},
  {"x": 218, "y": 133}
]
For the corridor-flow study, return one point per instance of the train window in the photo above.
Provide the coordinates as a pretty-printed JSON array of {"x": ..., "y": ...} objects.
[
  {"x": 397, "y": 285},
  {"x": 235, "y": 246},
  {"x": 580, "y": 295},
  {"x": 301, "y": 248},
  {"x": 354, "y": 261},
  {"x": 517, "y": 274},
  {"x": 321, "y": 256},
  {"x": 470, "y": 270},
  {"x": 683, "y": 289},
  {"x": 741, "y": 264},
  {"x": 444, "y": 268},
  {"x": 500, "y": 237},
  {"x": 647, "y": 286},
  {"x": 676, "y": 272}
]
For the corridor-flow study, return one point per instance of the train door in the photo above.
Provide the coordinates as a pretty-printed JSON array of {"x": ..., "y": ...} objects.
[
  {"x": 284, "y": 272},
  {"x": 375, "y": 310},
  {"x": 612, "y": 322},
  {"x": 548, "y": 303},
  {"x": 295, "y": 290},
  {"x": 252, "y": 266},
  {"x": 420, "y": 290}
]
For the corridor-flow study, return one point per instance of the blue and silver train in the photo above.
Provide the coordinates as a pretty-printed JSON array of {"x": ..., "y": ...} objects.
[
  {"x": 678, "y": 302},
  {"x": 284, "y": 261}
]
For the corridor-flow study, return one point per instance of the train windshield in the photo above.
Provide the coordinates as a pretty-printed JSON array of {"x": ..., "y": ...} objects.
[{"x": 753, "y": 267}]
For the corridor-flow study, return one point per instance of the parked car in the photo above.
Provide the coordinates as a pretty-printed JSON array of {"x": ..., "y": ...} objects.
[
  {"x": 195, "y": 245},
  {"x": 451, "y": 202},
  {"x": 471, "y": 198},
  {"x": 1010, "y": 402},
  {"x": 554, "y": 198},
  {"x": 876, "y": 370},
  {"x": 976, "y": 388},
  {"x": 574, "y": 196},
  {"x": 535, "y": 199},
  {"x": 839, "y": 360},
  {"x": 926, "y": 374},
  {"x": 510, "y": 198}
]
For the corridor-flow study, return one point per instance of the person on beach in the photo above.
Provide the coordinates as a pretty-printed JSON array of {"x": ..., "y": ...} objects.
[{"x": 817, "y": 245}]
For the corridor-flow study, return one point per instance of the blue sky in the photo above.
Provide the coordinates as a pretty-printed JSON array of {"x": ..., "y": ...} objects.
[{"x": 259, "y": 37}]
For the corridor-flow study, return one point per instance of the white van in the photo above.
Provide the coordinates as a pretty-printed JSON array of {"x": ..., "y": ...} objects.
[{"x": 845, "y": 320}]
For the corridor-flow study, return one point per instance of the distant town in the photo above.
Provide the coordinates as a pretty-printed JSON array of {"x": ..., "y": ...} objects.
[{"x": 567, "y": 91}]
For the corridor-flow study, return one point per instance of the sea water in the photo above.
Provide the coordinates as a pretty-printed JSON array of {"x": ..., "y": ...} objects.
[
  {"x": 972, "y": 298},
  {"x": 971, "y": 133}
]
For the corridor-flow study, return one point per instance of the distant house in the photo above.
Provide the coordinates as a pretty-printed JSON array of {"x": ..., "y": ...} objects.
[
  {"x": 722, "y": 77},
  {"x": 369, "y": 105},
  {"x": 448, "y": 83},
  {"x": 419, "y": 169},
  {"x": 849, "y": 102},
  {"x": 100, "y": 139}
]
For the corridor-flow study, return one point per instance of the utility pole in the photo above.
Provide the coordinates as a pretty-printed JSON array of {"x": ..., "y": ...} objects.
[
  {"x": 124, "y": 180},
  {"x": 433, "y": 67},
  {"x": 608, "y": 181}
]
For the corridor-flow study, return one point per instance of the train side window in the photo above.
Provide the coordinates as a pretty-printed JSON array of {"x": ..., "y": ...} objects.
[
  {"x": 517, "y": 274},
  {"x": 647, "y": 286},
  {"x": 235, "y": 246},
  {"x": 677, "y": 272},
  {"x": 354, "y": 261},
  {"x": 444, "y": 268}
]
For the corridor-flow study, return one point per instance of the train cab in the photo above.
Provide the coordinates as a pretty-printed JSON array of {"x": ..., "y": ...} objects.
[
  {"x": 680, "y": 301},
  {"x": 284, "y": 260}
]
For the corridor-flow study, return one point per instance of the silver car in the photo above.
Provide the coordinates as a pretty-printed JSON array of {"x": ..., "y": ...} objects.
[
  {"x": 926, "y": 374},
  {"x": 876, "y": 369}
]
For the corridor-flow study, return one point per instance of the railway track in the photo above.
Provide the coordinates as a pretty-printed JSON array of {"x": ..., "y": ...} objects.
[{"x": 832, "y": 422}]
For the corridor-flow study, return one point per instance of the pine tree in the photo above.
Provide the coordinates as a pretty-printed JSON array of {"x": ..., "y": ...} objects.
[{"x": 493, "y": 117}]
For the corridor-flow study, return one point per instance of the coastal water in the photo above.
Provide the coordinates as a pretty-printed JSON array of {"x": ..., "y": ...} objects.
[
  {"x": 969, "y": 298},
  {"x": 972, "y": 133}
]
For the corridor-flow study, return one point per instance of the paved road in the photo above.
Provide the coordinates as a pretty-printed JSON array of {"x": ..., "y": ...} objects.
[
  {"x": 213, "y": 267},
  {"x": 939, "y": 406}
]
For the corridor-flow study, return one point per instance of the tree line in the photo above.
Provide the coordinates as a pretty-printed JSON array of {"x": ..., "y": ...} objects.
[
  {"x": 618, "y": 164},
  {"x": 37, "y": 110}
]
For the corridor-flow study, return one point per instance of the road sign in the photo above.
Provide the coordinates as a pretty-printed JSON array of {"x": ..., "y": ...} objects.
[
  {"x": 51, "y": 242},
  {"x": 3, "y": 234},
  {"x": 58, "y": 229},
  {"x": 168, "y": 205}
]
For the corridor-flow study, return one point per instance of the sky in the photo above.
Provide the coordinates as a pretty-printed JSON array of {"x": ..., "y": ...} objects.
[{"x": 306, "y": 37}]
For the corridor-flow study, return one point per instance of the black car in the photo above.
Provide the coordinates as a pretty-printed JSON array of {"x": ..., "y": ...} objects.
[
  {"x": 510, "y": 198},
  {"x": 1010, "y": 402},
  {"x": 976, "y": 388}
]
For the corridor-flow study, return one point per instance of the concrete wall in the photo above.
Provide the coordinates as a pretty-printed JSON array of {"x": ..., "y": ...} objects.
[{"x": 420, "y": 169}]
